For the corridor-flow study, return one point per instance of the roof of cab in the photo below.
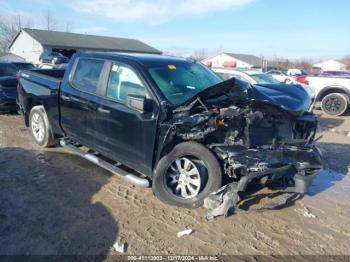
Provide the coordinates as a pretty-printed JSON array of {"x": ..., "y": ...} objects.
[{"x": 137, "y": 57}]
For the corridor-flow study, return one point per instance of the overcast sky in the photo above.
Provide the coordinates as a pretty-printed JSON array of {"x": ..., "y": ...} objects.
[{"x": 273, "y": 28}]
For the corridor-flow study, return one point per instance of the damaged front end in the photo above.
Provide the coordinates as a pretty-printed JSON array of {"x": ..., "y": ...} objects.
[{"x": 258, "y": 136}]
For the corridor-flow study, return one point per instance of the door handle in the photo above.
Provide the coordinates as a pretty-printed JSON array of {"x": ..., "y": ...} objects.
[
  {"x": 104, "y": 111},
  {"x": 65, "y": 97}
]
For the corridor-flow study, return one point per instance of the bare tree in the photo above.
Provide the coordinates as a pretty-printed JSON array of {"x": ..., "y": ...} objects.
[
  {"x": 68, "y": 27},
  {"x": 9, "y": 27},
  {"x": 304, "y": 64},
  {"x": 281, "y": 63},
  {"x": 49, "y": 20},
  {"x": 199, "y": 54}
]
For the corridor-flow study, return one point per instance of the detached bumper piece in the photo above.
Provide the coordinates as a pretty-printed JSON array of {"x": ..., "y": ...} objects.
[{"x": 296, "y": 171}]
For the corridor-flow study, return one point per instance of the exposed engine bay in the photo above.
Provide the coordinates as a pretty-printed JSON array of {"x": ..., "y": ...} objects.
[{"x": 254, "y": 141}]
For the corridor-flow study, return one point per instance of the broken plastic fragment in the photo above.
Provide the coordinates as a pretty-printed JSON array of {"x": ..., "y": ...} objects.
[
  {"x": 120, "y": 247},
  {"x": 185, "y": 232},
  {"x": 306, "y": 212},
  {"x": 225, "y": 201}
]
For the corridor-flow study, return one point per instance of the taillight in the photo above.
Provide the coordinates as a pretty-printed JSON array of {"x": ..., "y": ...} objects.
[
  {"x": 303, "y": 80},
  {"x": 17, "y": 76}
]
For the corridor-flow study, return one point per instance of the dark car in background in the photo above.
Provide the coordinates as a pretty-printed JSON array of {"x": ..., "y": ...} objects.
[
  {"x": 51, "y": 57},
  {"x": 8, "y": 83}
]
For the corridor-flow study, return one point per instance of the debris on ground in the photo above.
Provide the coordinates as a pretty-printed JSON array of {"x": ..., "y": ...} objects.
[
  {"x": 341, "y": 132},
  {"x": 225, "y": 201},
  {"x": 185, "y": 232},
  {"x": 120, "y": 246},
  {"x": 305, "y": 212}
]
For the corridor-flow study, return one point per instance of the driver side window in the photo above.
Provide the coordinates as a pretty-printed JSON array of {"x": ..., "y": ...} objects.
[{"x": 123, "y": 81}]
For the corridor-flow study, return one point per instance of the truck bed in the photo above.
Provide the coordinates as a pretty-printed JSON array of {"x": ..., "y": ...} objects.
[
  {"x": 46, "y": 77},
  {"x": 41, "y": 87}
]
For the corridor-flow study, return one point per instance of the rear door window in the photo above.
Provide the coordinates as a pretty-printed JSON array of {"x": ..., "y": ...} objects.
[
  {"x": 87, "y": 74},
  {"x": 124, "y": 81}
]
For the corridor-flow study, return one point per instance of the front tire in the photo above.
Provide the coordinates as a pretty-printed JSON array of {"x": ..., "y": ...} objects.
[
  {"x": 40, "y": 128},
  {"x": 334, "y": 104},
  {"x": 187, "y": 175}
]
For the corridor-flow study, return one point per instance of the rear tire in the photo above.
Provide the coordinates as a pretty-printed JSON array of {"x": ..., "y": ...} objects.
[
  {"x": 199, "y": 165},
  {"x": 40, "y": 128},
  {"x": 334, "y": 104}
]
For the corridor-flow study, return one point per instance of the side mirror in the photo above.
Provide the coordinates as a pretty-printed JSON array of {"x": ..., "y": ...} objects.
[{"x": 138, "y": 103}]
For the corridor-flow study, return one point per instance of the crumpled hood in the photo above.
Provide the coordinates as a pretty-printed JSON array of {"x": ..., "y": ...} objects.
[{"x": 293, "y": 98}]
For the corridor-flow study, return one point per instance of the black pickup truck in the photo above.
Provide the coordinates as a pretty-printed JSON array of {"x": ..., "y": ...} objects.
[{"x": 173, "y": 122}]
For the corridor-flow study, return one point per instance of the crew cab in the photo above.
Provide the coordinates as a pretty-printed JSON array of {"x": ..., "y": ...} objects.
[{"x": 173, "y": 122}]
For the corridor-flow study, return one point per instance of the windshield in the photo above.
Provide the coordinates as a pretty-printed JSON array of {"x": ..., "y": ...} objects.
[
  {"x": 264, "y": 79},
  {"x": 7, "y": 70},
  {"x": 181, "y": 81}
]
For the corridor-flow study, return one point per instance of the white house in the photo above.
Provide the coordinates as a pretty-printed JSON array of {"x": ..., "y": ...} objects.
[
  {"x": 30, "y": 43},
  {"x": 331, "y": 65},
  {"x": 234, "y": 60}
]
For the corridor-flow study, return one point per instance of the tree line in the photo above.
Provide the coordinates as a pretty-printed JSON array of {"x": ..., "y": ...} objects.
[{"x": 10, "y": 25}]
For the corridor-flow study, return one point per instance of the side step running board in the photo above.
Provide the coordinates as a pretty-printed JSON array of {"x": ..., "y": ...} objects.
[{"x": 144, "y": 182}]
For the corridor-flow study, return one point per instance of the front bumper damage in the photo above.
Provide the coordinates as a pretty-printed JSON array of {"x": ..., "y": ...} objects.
[
  {"x": 289, "y": 169},
  {"x": 260, "y": 135}
]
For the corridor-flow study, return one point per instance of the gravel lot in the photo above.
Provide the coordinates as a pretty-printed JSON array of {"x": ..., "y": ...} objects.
[{"x": 52, "y": 202}]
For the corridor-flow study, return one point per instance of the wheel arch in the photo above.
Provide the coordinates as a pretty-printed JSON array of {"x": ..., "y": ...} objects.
[
  {"x": 333, "y": 89},
  {"x": 30, "y": 103},
  {"x": 164, "y": 150}
]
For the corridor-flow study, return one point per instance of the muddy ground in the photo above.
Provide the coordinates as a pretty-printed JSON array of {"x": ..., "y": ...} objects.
[{"x": 52, "y": 202}]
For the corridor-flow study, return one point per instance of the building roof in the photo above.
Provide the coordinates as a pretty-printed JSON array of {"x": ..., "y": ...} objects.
[
  {"x": 64, "y": 40},
  {"x": 249, "y": 59}
]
